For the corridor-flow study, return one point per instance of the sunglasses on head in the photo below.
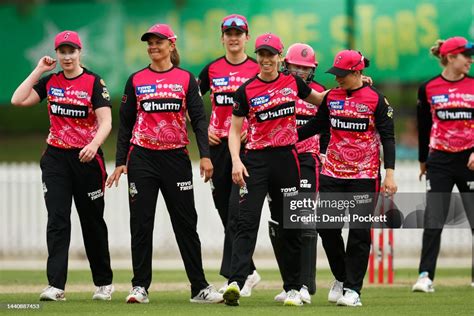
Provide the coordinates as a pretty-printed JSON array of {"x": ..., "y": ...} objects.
[
  {"x": 361, "y": 60},
  {"x": 235, "y": 21}
]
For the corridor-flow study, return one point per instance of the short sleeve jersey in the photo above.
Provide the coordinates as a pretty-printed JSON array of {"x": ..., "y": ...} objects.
[
  {"x": 71, "y": 107},
  {"x": 269, "y": 107},
  {"x": 222, "y": 79}
]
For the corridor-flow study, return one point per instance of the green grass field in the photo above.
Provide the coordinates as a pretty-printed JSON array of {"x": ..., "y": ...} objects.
[{"x": 453, "y": 295}]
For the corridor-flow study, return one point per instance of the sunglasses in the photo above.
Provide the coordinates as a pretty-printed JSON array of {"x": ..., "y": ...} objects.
[{"x": 235, "y": 21}]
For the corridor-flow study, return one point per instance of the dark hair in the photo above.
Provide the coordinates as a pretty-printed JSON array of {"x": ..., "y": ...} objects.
[
  {"x": 435, "y": 51},
  {"x": 175, "y": 57}
]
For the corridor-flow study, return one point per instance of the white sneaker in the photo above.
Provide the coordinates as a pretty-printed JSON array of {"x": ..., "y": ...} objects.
[
  {"x": 137, "y": 294},
  {"x": 104, "y": 292},
  {"x": 350, "y": 298},
  {"x": 223, "y": 288},
  {"x": 423, "y": 284},
  {"x": 305, "y": 296},
  {"x": 250, "y": 283},
  {"x": 208, "y": 295},
  {"x": 293, "y": 298},
  {"x": 232, "y": 294},
  {"x": 280, "y": 297},
  {"x": 336, "y": 291},
  {"x": 52, "y": 294}
]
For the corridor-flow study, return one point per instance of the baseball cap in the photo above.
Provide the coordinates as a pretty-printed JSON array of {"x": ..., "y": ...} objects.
[
  {"x": 347, "y": 61},
  {"x": 269, "y": 42},
  {"x": 163, "y": 31},
  {"x": 456, "y": 45},
  {"x": 235, "y": 21},
  {"x": 70, "y": 38}
]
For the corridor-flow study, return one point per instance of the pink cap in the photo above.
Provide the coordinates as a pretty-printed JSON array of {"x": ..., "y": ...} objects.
[
  {"x": 456, "y": 45},
  {"x": 301, "y": 55},
  {"x": 269, "y": 42},
  {"x": 347, "y": 61},
  {"x": 70, "y": 38},
  {"x": 235, "y": 21},
  {"x": 162, "y": 31}
]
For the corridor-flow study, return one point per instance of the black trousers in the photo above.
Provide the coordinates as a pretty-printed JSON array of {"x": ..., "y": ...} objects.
[
  {"x": 273, "y": 171},
  {"x": 444, "y": 170},
  {"x": 226, "y": 200},
  {"x": 349, "y": 265},
  {"x": 169, "y": 171},
  {"x": 64, "y": 178}
]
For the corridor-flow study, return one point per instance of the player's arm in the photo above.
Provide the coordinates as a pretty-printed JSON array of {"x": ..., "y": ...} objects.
[
  {"x": 25, "y": 95},
  {"x": 239, "y": 112},
  {"x": 425, "y": 121},
  {"x": 317, "y": 125}
]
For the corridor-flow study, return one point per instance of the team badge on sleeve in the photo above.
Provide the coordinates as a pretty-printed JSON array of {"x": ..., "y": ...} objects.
[
  {"x": 236, "y": 106},
  {"x": 390, "y": 112},
  {"x": 124, "y": 98},
  {"x": 105, "y": 94}
]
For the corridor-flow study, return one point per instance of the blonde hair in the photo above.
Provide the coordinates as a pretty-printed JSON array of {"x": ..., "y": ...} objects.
[
  {"x": 175, "y": 57},
  {"x": 435, "y": 51}
]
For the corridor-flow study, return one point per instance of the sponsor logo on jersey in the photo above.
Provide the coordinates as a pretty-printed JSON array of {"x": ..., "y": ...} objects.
[
  {"x": 224, "y": 98},
  {"x": 336, "y": 105},
  {"x": 145, "y": 89},
  {"x": 259, "y": 100},
  {"x": 283, "y": 110},
  {"x": 94, "y": 195},
  {"x": 82, "y": 94},
  {"x": 161, "y": 105},
  {"x": 390, "y": 112},
  {"x": 220, "y": 82},
  {"x": 176, "y": 87},
  {"x": 468, "y": 97},
  {"x": 441, "y": 98},
  {"x": 57, "y": 92},
  {"x": 292, "y": 191},
  {"x": 105, "y": 94},
  {"x": 455, "y": 114},
  {"x": 302, "y": 120},
  {"x": 132, "y": 189},
  {"x": 350, "y": 123},
  {"x": 361, "y": 108},
  {"x": 286, "y": 91},
  {"x": 69, "y": 110},
  {"x": 305, "y": 184}
]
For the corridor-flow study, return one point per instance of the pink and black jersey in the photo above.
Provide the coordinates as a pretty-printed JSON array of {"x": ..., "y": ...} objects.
[
  {"x": 358, "y": 121},
  {"x": 71, "y": 106},
  {"x": 222, "y": 79},
  {"x": 446, "y": 115},
  {"x": 270, "y": 109},
  {"x": 304, "y": 112},
  {"x": 153, "y": 112}
]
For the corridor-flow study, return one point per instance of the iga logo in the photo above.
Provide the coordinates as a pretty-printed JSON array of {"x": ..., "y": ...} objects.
[
  {"x": 336, "y": 105},
  {"x": 176, "y": 87},
  {"x": 259, "y": 100},
  {"x": 82, "y": 94},
  {"x": 286, "y": 91},
  {"x": 362, "y": 108},
  {"x": 220, "y": 82},
  {"x": 442, "y": 98},
  {"x": 145, "y": 89},
  {"x": 57, "y": 92}
]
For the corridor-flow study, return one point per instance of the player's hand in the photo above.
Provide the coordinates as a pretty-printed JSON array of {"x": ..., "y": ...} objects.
[
  {"x": 206, "y": 169},
  {"x": 243, "y": 137},
  {"x": 423, "y": 169},
  {"x": 238, "y": 173},
  {"x": 389, "y": 187},
  {"x": 46, "y": 63},
  {"x": 470, "y": 163},
  {"x": 88, "y": 152},
  {"x": 115, "y": 176},
  {"x": 213, "y": 139},
  {"x": 367, "y": 79}
]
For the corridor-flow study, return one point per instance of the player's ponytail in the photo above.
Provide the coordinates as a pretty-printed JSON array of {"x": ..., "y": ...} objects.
[
  {"x": 175, "y": 57},
  {"x": 435, "y": 51}
]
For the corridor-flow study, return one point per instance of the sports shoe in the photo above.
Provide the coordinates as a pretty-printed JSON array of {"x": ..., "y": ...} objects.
[
  {"x": 223, "y": 288},
  {"x": 305, "y": 296},
  {"x": 137, "y": 294},
  {"x": 350, "y": 298},
  {"x": 104, "y": 292},
  {"x": 280, "y": 297},
  {"x": 423, "y": 284},
  {"x": 293, "y": 298},
  {"x": 250, "y": 283},
  {"x": 336, "y": 291},
  {"x": 232, "y": 294},
  {"x": 208, "y": 295},
  {"x": 52, "y": 294}
]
